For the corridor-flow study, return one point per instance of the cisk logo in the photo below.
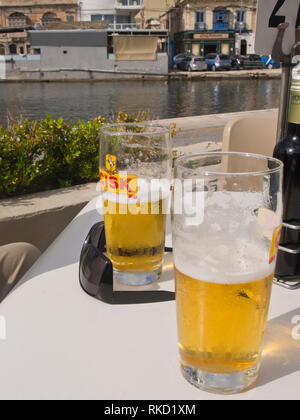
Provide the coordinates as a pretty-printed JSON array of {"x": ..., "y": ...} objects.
[
  {"x": 111, "y": 163},
  {"x": 117, "y": 183},
  {"x": 275, "y": 244}
]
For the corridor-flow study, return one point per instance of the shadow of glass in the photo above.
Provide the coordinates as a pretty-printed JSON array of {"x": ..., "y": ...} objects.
[
  {"x": 281, "y": 354},
  {"x": 155, "y": 292},
  {"x": 66, "y": 249}
]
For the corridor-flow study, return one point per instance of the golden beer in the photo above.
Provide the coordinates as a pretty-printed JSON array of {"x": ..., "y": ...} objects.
[
  {"x": 135, "y": 234},
  {"x": 221, "y": 326}
]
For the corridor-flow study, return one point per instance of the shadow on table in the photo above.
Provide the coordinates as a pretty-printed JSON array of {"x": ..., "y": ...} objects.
[
  {"x": 281, "y": 355},
  {"x": 66, "y": 249}
]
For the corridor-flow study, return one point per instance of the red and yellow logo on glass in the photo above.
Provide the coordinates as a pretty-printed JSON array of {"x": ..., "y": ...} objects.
[
  {"x": 275, "y": 244},
  {"x": 111, "y": 163},
  {"x": 115, "y": 182}
]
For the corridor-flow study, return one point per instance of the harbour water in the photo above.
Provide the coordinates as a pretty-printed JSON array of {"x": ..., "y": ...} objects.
[{"x": 173, "y": 99}]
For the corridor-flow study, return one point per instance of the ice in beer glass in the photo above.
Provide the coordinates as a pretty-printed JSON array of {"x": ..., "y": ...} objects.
[
  {"x": 135, "y": 173},
  {"x": 227, "y": 215}
]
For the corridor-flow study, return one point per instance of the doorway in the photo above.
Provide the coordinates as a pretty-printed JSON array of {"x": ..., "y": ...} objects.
[
  {"x": 210, "y": 49},
  {"x": 243, "y": 47}
]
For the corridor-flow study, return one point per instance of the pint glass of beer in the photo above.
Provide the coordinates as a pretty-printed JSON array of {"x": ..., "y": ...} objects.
[
  {"x": 135, "y": 174},
  {"x": 227, "y": 215}
]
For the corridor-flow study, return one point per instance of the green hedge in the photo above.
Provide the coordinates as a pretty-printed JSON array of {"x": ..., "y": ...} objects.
[{"x": 49, "y": 154}]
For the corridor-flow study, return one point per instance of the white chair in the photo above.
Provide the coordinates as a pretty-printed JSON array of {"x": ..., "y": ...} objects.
[{"x": 255, "y": 134}]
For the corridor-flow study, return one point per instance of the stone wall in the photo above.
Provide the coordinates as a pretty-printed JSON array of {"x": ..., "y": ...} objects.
[{"x": 34, "y": 11}]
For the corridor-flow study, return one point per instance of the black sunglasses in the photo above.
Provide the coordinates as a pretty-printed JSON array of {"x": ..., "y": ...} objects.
[{"x": 96, "y": 274}]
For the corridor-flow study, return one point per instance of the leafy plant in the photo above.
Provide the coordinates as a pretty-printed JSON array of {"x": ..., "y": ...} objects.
[{"x": 48, "y": 154}]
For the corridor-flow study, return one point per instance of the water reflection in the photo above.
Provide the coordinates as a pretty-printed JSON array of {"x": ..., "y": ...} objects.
[{"x": 178, "y": 98}]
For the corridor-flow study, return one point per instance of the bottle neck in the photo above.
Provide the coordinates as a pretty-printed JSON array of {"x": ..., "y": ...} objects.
[{"x": 293, "y": 129}]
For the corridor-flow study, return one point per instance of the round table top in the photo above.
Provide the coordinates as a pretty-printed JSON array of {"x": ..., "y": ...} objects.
[{"x": 62, "y": 344}]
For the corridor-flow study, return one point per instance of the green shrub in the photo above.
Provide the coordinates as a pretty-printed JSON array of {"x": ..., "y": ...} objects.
[{"x": 50, "y": 154}]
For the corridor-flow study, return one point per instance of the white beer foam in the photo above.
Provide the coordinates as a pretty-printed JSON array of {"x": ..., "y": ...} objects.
[
  {"x": 229, "y": 246},
  {"x": 249, "y": 264}
]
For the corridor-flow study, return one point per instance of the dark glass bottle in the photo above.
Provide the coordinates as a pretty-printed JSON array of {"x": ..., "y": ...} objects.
[{"x": 288, "y": 151}]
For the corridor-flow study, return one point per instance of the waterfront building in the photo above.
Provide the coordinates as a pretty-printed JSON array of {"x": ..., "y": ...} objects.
[
  {"x": 92, "y": 54},
  {"x": 212, "y": 26},
  {"x": 19, "y": 16},
  {"x": 151, "y": 11},
  {"x": 120, "y": 14}
]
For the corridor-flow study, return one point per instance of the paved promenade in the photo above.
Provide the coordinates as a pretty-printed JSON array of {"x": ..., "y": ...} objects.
[
  {"x": 67, "y": 75},
  {"x": 232, "y": 74}
]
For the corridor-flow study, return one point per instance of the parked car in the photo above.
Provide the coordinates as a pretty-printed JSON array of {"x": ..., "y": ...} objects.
[
  {"x": 193, "y": 64},
  {"x": 218, "y": 62},
  {"x": 180, "y": 57},
  {"x": 269, "y": 63},
  {"x": 252, "y": 61}
]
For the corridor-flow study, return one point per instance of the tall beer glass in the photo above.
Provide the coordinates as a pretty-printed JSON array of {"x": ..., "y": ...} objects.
[
  {"x": 135, "y": 173},
  {"x": 227, "y": 212}
]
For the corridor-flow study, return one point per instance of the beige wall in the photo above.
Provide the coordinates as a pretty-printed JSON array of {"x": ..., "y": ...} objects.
[
  {"x": 155, "y": 8},
  {"x": 152, "y": 10},
  {"x": 187, "y": 20},
  {"x": 34, "y": 10},
  {"x": 12, "y": 3}
]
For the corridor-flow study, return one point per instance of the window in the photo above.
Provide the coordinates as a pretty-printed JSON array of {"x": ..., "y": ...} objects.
[
  {"x": 49, "y": 18},
  {"x": 13, "y": 49},
  {"x": 17, "y": 20},
  {"x": 200, "y": 16},
  {"x": 221, "y": 20},
  {"x": 240, "y": 24},
  {"x": 109, "y": 18},
  {"x": 123, "y": 19},
  {"x": 241, "y": 16}
]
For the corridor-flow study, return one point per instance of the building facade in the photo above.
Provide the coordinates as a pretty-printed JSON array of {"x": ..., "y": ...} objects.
[
  {"x": 119, "y": 13},
  {"x": 212, "y": 26},
  {"x": 18, "y": 16},
  {"x": 149, "y": 15}
]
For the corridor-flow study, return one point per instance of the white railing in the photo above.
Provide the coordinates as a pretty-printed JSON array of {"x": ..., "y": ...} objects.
[
  {"x": 124, "y": 26},
  {"x": 200, "y": 26}
]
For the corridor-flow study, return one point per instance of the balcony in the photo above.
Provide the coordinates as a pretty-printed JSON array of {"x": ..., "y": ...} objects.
[
  {"x": 240, "y": 27},
  {"x": 124, "y": 26},
  {"x": 128, "y": 4},
  {"x": 221, "y": 26},
  {"x": 200, "y": 26}
]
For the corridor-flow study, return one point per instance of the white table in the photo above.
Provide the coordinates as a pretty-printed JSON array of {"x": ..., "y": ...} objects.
[{"x": 63, "y": 344}]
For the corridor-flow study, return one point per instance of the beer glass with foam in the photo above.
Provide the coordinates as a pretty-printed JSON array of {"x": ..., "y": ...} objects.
[
  {"x": 135, "y": 173},
  {"x": 227, "y": 215}
]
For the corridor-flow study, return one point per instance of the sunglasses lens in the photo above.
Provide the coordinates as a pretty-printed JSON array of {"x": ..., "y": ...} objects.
[
  {"x": 96, "y": 274},
  {"x": 96, "y": 236}
]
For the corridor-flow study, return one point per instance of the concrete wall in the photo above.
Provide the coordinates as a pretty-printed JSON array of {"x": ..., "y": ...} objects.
[
  {"x": 96, "y": 58},
  {"x": 53, "y": 59}
]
